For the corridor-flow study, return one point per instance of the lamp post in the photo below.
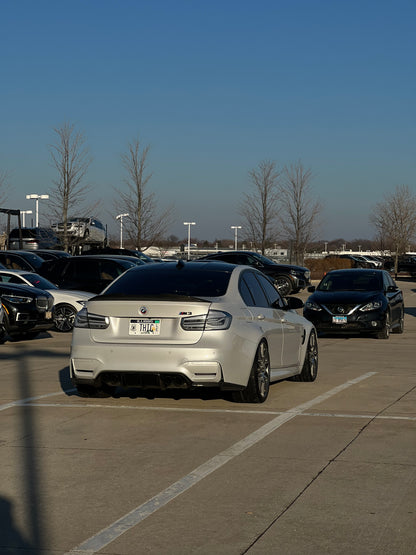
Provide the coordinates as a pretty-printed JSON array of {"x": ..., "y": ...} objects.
[
  {"x": 236, "y": 228},
  {"x": 23, "y": 213},
  {"x": 120, "y": 217},
  {"x": 37, "y": 198},
  {"x": 189, "y": 237}
]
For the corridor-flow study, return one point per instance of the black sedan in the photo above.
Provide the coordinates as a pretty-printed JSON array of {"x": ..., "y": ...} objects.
[{"x": 356, "y": 301}]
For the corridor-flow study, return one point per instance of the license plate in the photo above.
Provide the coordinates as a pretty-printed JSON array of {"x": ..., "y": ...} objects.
[
  {"x": 144, "y": 327},
  {"x": 48, "y": 315},
  {"x": 339, "y": 319}
]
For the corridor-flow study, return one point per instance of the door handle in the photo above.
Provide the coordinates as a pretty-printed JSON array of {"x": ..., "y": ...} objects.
[{"x": 260, "y": 317}]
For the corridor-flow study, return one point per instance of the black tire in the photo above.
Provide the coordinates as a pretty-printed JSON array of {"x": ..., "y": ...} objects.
[
  {"x": 97, "y": 392},
  {"x": 3, "y": 333},
  {"x": 310, "y": 364},
  {"x": 400, "y": 327},
  {"x": 258, "y": 384},
  {"x": 384, "y": 333},
  {"x": 283, "y": 285},
  {"x": 63, "y": 317}
]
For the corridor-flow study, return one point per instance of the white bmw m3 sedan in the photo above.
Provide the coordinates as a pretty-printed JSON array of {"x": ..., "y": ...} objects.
[{"x": 191, "y": 325}]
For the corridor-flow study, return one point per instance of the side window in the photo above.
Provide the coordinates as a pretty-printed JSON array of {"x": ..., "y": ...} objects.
[
  {"x": 270, "y": 291},
  {"x": 245, "y": 293},
  {"x": 108, "y": 270},
  {"x": 228, "y": 258},
  {"x": 387, "y": 281},
  {"x": 17, "y": 264},
  {"x": 256, "y": 291},
  {"x": 84, "y": 270},
  {"x": 14, "y": 279}
]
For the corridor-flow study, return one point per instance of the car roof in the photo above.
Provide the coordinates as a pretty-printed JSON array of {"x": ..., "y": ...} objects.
[{"x": 10, "y": 271}]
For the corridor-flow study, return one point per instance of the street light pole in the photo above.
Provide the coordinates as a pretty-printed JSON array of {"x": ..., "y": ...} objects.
[
  {"x": 37, "y": 198},
  {"x": 236, "y": 228},
  {"x": 23, "y": 213},
  {"x": 120, "y": 217},
  {"x": 189, "y": 237}
]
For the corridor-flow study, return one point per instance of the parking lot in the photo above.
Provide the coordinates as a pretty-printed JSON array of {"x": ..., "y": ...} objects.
[{"x": 322, "y": 467}]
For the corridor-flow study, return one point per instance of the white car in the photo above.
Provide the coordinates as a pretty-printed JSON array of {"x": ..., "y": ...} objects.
[
  {"x": 192, "y": 325},
  {"x": 90, "y": 230},
  {"x": 66, "y": 303}
]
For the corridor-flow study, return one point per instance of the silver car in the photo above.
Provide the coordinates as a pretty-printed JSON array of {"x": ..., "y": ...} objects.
[
  {"x": 90, "y": 230},
  {"x": 190, "y": 325}
]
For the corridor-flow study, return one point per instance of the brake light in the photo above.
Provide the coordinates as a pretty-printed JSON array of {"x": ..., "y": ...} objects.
[
  {"x": 214, "y": 320},
  {"x": 85, "y": 319}
]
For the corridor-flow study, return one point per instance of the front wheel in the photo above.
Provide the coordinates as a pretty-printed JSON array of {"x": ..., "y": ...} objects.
[
  {"x": 400, "y": 326},
  {"x": 384, "y": 333},
  {"x": 283, "y": 285},
  {"x": 63, "y": 317},
  {"x": 310, "y": 364},
  {"x": 258, "y": 384}
]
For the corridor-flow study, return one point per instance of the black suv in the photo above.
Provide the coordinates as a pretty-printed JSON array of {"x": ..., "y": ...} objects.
[
  {"x": 287, "y": 277},
  {"x": 27, "y": 310},
  {"x": 85, "y": 273}
]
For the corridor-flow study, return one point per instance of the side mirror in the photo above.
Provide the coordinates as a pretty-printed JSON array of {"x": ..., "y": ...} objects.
[
  {"x": 311, "y": 288},
  {"x": 392, "y": 289},
  {"x": 294, "y": 303}
]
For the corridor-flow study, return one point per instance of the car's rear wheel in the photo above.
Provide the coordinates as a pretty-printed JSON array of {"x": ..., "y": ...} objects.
[
  {"x": 400, "y": 326},
  {"x": 310, "y": 364},
  {"x": 384, "y": 333},
  {"x": 63, "y": 317},
  {"x": 258, "y": 384},
  {"x": 283, "y": 285}
]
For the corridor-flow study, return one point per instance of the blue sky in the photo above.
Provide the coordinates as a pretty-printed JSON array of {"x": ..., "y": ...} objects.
[{"x": 214, "y": 88}]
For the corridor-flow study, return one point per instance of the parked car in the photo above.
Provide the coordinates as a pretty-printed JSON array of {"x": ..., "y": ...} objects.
[
  {"x": 65, "y": 303},
  {"x": 287, "y": 277},
  {"x": 124, "y": 252},
  {"x": 407, "y": 263},
  {"x": 27, "y": 310},
  {"x": 33, "y": 238},
  {"x": 85, "y": 273},
  {"x": 21, "y": 260},
  {"x": 90, "y": 230},
  {"x": 192, "y": 325},
  {"x": 353, "y": 260},
  {"x": 358, "y": 301}
]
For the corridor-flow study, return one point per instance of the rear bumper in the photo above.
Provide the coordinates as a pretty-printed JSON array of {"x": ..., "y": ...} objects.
[{"x": 191, "y": 365}]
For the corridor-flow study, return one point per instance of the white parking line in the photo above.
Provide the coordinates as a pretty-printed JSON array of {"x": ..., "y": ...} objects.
[
  {"x": 134, "y": 517},
  {"x": 29, "y": 399},
  {"x": 210, "y": 411}
]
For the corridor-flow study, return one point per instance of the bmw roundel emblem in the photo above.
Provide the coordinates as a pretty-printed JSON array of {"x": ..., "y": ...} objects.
[{"x": 143, "y": 310}]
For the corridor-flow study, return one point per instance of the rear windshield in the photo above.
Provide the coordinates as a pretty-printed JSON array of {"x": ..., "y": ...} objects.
[{"x": 166, "y": 279}]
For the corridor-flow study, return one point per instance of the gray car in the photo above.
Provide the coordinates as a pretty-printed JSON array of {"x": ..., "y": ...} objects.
[
  {"x": 191, "y": 325},
  {"x": 90, "y": 230}
]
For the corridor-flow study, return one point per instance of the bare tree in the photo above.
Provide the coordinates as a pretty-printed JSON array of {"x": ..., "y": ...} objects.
[
  {"x": 395, "y": 219},
  {"x": 71, "y": 159},
  {"x": 259, "y": 207},
  {"x": 144, "y": 226},
  {"x": 299, "y": 210}
]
